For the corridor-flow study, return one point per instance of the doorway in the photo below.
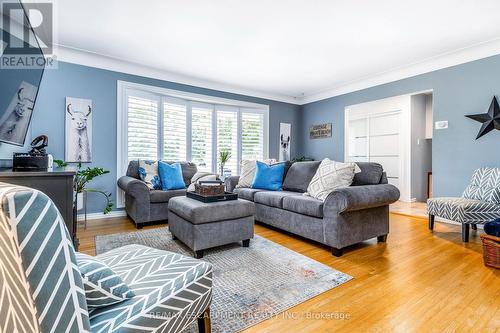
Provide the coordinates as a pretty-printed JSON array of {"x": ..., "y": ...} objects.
[{"x": 395, "y": 133}]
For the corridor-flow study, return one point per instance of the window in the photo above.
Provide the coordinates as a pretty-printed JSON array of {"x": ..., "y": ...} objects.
[
  {"x": 174, "y": 131},
  {"x": 142, "y": 128},
  {"x": 227, "y": 139},
  {"x": 252, "y": 134},
  {"x": 201, "y": 137},
  {"x": 157, "y": 123}
]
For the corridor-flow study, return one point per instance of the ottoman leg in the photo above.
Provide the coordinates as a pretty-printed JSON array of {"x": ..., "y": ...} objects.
[
  {"x": 431, "y": 222},
  {"x": 465, "y": 232},
  {"x": 173, "y": 237},
  {"x": 246, "y": 243},
  {"x": 474, "y": 226},
  {"x": 337, "y": 252},
  {"x": 198, "y": 254},
  {"x": 382, "y": 239}
]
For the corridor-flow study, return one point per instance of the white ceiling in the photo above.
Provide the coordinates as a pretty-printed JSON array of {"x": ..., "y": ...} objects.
[{"x": 287, "y": 48}]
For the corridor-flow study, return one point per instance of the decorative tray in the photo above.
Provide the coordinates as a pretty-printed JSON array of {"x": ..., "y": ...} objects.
[{"x": 212, "y": 198}]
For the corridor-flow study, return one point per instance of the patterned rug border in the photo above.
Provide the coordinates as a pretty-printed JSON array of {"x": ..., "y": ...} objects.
[{"x": 308, "y": 289}]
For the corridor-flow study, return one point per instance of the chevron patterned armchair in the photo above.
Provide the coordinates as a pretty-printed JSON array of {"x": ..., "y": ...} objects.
[
  {"x": 480, "y": 202},
  {"x": 41, "y": 287}
]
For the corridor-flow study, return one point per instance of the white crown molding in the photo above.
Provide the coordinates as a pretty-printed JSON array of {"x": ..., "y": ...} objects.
[
  {"x": 449, "y": 59},
  {"x": 91, "y": 59}
]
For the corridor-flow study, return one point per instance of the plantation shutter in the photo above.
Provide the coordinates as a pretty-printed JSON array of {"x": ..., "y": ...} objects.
[
  {"x": 227, "y": 138},
  {"x": 201, "y": 136},
  {"x": 252, "y": 136},
  {"x": 142, "y": 127},
  {"x": 174, "y": 130}
]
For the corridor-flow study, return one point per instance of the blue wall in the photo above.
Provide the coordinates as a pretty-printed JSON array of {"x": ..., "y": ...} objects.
[
  {"x": 457, "y": 91},
  {"x": 100, "y": 86}
]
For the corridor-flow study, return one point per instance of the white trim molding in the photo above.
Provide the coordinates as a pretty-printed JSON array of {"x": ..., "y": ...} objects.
[
  {"x": 98, "y": 216},
  {"x": 448, "y": 59},
  {"x": 445, "y": 60},
  {"x": 91, "y": 59}
]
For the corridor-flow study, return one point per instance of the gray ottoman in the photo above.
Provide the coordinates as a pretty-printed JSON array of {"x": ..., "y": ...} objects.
[{"x": 204, "y": 225}]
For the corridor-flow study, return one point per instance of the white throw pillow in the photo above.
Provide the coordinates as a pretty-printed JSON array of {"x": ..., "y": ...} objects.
[
  {"x": 148, "y": 172},
  {"x": 191, "y": 187},
  {"x": 331, "y": 175},
  {"x": 248, "y": 172}
]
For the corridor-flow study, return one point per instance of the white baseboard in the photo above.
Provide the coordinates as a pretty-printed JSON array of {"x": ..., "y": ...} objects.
[{"x": 97, "y": 216}]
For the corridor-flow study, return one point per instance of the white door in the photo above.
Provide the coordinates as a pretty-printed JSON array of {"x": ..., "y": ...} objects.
[
  {"x": 385, "y": 145},
  {"x": 376, "y": 138}
]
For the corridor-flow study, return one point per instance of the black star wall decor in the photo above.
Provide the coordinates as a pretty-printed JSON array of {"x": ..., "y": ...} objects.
[{"x": 490, "y": 120}]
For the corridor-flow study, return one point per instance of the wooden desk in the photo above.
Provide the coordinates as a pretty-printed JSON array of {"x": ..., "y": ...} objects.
[{"x": 57, "y": 184}]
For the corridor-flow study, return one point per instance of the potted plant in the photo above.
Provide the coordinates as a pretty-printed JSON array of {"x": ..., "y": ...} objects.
[
  {"x": 224, "y": 157},
  {"x": 85, "y": 176}
]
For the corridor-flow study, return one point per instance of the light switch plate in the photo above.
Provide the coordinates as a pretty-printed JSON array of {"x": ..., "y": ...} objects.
[{"x": 441, "y": 124}]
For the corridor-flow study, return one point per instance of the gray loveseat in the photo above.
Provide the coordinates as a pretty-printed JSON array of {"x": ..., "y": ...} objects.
[
  {"x": 144, "y": 205},
  {"x": 347, "y": 216}
]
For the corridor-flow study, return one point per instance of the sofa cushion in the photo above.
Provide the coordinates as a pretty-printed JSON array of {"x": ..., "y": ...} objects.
[
  {"x": 331, "y": 175},
  {"x": 198, "y": 212},
  {"x": 171, "y": 176},
  {"x": 303, "y": 205},
  {"x": 102, "y": 286},
  {"x": 148, "y": 172},
  {"x": 268, "y": 177},
  {"x": 273, "y": 198},
  {"x": 133, "y": 169},
  {"x": 159, "y": 196},
  {"x": 188, "y": 170},
  {"x": 248, "y": 172},
  {"x": 371, "y": 174},
  {"x": 163, "y": 282},
  {"x": 246, "y": 193},
  {"x": 299, "y": 176}
]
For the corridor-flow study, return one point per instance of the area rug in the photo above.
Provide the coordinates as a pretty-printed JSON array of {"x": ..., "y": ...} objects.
[{"x": 250, "y": 284}]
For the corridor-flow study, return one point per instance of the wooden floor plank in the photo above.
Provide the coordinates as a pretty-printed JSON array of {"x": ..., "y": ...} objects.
[{"x": 418, "y": 281}]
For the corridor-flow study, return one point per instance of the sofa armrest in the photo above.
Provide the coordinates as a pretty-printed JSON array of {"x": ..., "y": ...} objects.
[
  {"x": 360, "y": 197},
  {"x": 231, "y": 183},
  {"x": 134, "y": 187}
]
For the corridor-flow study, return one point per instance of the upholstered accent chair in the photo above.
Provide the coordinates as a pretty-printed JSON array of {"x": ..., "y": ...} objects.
[
  {"x": 42, "y": 288},
  {"x": 480, "y": 202}
]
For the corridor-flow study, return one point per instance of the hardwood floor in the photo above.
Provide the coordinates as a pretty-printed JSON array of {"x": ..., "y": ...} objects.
[{"x": 416, "y": 282}]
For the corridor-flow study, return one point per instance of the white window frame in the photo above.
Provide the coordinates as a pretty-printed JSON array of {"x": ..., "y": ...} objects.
[{"x": 124, "y": 89}]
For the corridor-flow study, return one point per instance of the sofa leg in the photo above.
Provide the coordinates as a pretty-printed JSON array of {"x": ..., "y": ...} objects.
[
  {"x": 337, "y": 252},
  {"x": 431, "y": 222},
  {"x": 198, "y": 254},
  {"x": 465, "y": 232},
  {"x": 246, "y": 243},
  {"x": 139, "y": 225},
  {"x": 382, "y": 239},
  {"x": 474, "y": 226},
  {"x": 204, "y": 324}
]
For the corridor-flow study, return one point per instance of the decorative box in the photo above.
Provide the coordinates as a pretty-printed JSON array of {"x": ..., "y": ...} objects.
[{"x": 209, "y": 188}]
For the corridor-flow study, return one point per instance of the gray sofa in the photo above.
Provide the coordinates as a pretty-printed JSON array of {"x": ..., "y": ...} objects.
[
  {"x": 144, "y": 205},
  {"x": 347, "y": 216}
]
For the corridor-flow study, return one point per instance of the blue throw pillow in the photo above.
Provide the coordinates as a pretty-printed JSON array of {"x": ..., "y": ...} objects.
[
  {"x": 102, "y": 286},
  {"x": 171, "y": 176},
  {"x": 268, "y": 177}
]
